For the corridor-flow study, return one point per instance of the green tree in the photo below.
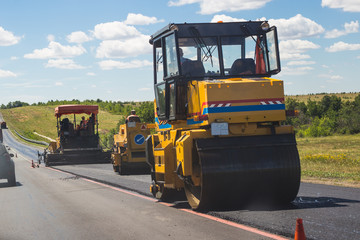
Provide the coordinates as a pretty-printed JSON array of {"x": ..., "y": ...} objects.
[{"x": 146, "y": 112}]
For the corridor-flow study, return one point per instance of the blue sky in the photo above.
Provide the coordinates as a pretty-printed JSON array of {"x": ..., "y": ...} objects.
[{"x": 87, "y": 49}]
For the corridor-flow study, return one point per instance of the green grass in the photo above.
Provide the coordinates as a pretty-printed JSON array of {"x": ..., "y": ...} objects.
[
  {"x": 41, "y": 119},
  {"x": 333, "y": 159},
  {"x": 318, "y": 97}
]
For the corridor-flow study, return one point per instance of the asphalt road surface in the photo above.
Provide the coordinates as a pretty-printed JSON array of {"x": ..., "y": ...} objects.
[{"x": 92, "y": 202}]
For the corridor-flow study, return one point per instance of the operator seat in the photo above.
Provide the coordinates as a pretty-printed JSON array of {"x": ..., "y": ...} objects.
[
  {"x": 134, "y": 119},
  {"x": 193, "y": 68},
  {"x": 243, "y": 66}
]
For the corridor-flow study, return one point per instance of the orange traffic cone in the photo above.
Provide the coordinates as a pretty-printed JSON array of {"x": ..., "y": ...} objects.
[
  {"x": 32, "y": 164},
  {"x": 299, "y": 231}
]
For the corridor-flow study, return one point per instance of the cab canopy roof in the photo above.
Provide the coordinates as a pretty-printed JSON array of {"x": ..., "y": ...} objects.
[
  {"x": 190, "y": 30},
  {"x": 76, "y": 109}
]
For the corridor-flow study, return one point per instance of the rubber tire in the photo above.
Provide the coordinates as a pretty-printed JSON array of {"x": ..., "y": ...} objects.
[
  {"x": 122, "y": 170},
  {"x": 12, "y": 180}
]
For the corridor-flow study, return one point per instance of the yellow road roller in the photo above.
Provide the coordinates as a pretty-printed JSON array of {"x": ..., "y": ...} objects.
[
  {"x": 128, "y": 155},
  {"x": 219, "y": 116}
]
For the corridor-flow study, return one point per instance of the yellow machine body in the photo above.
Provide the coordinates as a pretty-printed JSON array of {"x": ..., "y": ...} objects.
[
  {"x": 129, "y": 148},
  {"x": 218, "y": 115},
  {"x": 242, "y": 108},
  {"x": 221, "y": 102}
]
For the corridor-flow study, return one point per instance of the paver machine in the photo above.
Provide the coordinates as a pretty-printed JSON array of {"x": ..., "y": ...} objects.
[
  {"x": 219, "y": 116},
  {"x": 128, "y": 156},
  {"x": 77, "y": 141}
]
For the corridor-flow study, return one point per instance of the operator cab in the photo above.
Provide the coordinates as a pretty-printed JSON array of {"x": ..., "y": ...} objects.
[{"x": 209, "y": 51}]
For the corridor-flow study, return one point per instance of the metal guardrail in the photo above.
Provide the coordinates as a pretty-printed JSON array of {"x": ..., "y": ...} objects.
[{"x": 31, "y": 140}]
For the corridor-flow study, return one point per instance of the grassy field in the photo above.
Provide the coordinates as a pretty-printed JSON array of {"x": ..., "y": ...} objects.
[
  {"x": 318, "y": 97},
  {"x": 41, "y": 119},
  {"x": 334, "y": 159}
]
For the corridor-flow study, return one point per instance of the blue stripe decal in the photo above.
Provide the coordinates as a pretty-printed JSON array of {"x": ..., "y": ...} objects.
[
  {"x": 247, "y": 108},
  {"x": 163, "y": 126},
  {"x": 192, "y": 121}
]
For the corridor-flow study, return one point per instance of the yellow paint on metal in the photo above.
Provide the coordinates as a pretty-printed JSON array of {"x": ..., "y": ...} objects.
[
  {"x": 125, "y": 145},
  {"x": 176, "y": 143}
]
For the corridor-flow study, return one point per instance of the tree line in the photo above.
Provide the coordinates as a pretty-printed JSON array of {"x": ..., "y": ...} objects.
[{"x": 326, "y": 117}]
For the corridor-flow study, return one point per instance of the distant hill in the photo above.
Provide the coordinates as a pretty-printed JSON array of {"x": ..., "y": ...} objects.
[{"x": 41, "y": 119}]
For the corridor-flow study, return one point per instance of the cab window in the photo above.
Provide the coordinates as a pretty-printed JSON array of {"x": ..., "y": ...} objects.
[{"x": 171, "y": 57}]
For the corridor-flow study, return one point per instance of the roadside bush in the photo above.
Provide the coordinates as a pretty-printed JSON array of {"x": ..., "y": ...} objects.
[{"x": 319, "y": 128}]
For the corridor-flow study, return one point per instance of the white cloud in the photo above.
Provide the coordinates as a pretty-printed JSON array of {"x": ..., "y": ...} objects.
[
  {"x": 56, "y": 50},
  {"x": 214, "y": 6},
  {"x": 126, "y": 48},
  {"x": 342, "y": 46},
  {"x": 296, "y": 27},
  {"x": 59, "y": 84},
  {"x": 8, "y": 38},
  {"x": 346, "y": 5},
  {"x": 335, "y": 77},
  {"x": 139, "y": 19},
  {"x": 50, "y": 38},
  {"x": 78, "y": 37},
  {"x": 182, "y": 2},
  {"x": 331, "y": 78},
  {"x": 300, "y": 63},
  {"x": 293, "y": 28},
  {"x": 6, "y": 74},
  {"x": 13, "y": 58},
  {"x": 115, "y": 31},
  {"x": 295, "y": 71},
  {"x": 93, "y": 86},
  {"x": 63, "y": 64},
  {"x": 352, "y": 27},
  {"x": 294, "y": 49},
  {"x": 111, "y": 64},
  {"x": 91, "y": 74},
  {"x": 225, "y": 18},
  {"x": 289, "y": 56}
]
